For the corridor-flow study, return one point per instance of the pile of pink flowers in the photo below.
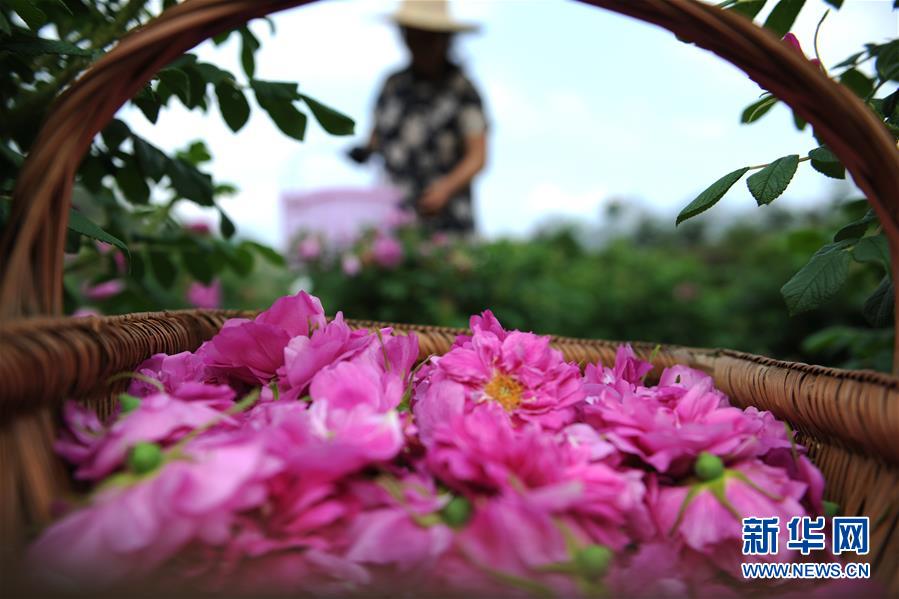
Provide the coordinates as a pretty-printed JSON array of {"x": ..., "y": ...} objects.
[{"x": 291, "y": 453}]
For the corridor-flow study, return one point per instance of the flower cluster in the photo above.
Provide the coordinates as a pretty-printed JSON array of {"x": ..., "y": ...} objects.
[
  {"x": 293, "y": 453},
  {"x": 396, "y": 243}
]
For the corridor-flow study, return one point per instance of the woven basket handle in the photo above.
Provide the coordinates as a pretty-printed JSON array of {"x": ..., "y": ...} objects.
[{"x": 31, "y": 250}]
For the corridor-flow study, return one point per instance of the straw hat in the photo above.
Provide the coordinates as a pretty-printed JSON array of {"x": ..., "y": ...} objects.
[{"x": 430, "y": 15}]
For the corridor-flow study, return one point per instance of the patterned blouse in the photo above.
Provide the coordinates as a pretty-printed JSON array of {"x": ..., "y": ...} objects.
[{"x": 421, "y": 127}]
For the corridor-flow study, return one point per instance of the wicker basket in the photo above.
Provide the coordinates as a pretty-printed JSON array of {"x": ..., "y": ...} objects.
[{"x": 848, "y": 420}]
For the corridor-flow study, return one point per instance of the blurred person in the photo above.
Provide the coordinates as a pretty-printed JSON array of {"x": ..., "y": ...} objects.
[{"x": 429, "y": 122}]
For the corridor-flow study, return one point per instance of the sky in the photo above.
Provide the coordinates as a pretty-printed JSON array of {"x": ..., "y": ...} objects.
[{"x": 585, "y": 107}]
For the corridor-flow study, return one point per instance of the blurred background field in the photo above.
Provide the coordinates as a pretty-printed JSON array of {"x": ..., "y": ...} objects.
[{"x": 601, "y": 130}]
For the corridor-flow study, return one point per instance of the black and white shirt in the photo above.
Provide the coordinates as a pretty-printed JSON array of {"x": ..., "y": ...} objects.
[{"x": 421, "y": 127}]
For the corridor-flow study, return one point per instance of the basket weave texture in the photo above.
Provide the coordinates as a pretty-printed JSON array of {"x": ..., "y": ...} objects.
[{"x": 849, "y": 420}]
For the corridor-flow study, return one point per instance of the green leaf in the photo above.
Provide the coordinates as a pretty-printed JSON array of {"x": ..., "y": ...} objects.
[
  {"x": 11, "y": 156},
  {"x": 824, "y": 161},
  {"x": 799, "y": 122},
  {"x": 288, "y": 119},
  {"x": 30, "y": 13},
  {"x": 277, "y": 98},
  {"x": 182, "y": 61},
  {"x": 114, "y": 134},
  {"x": 837, "y": 4},
  {"x": 150, "y": 159},
  {"x": 819, "y": 279},
  {"x": 887, "y": 63},
  {"x": 331, "y": 121},
  {"x": 248, "y": 46},
  {"x": 190, "y": 183},
  {"x": 83, "y": 225},
  {"x": 873, "y": 250},
  {"x": 233, "y": 104},
  {"x": 199, "y": 266},
  {"x": 196, "y": 153},
  {"x": 274, "y": 91},
  {"x": 889, "y": 106},
  {"x": 163, "y": 269},
  {"x": 226, "y": 227},
  {"x": 149, "y": 102},
  {"x": 757, "y": 110},
  {"x": 38, "y": 46},
  {"x": 856, "y": 229},
  {"x": 767, "y": 184},
  {"x": 851, "y": 61},
  {"x": 783, "y": 16},
  {"x": 747, "y": 8},
  {"x": 92, "y": 170},
  {"x": 175, "y": 81},
  {"x": 73, "y": 242},
  {"x": 711, "y": 195},
  {"x": 132, "y": 182},
  {"x": 4, "y": 25},
  {"x": 137, "y": 268},
  {"x": 270, "y": 255},
  {"x": 240, "y": 260},
  {"x": 879, "y": 307},
  {"x": 857, "y": 82},
  {"x": 197, "y": 87},
  {"x": 221, "y": 38},
  {"x": 212, "y": 73}
]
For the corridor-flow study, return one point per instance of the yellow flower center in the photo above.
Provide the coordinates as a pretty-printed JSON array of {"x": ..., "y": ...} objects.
[{"x": 504, "y": 389}]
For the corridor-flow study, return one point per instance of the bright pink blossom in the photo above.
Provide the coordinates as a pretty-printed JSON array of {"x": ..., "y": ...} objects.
[
  {"x": 520, "y": 371},
  {"x": 305, "y": 356},
  {"x": 482, "y": 451},
  {"x": 351, "y": 265},
  {"x": 712, "y": 524},
  {"x": 387, "y": 251},
  {"x": 205, "y": 296},
  {"x": 104, "y": 290},
  {"x": 173, "y": 372},
  {"x": 199, "y": 228},
  {"x": 130, "y": 529},
  {"x": 309, "y": 249},
  {"x": 792, "y": 41},
  {"x": 509, "y": 540},
  {"x": 253, "y": 350},
  {"x": 669, "y": 425},
  {"x": 159, "y": 418}
]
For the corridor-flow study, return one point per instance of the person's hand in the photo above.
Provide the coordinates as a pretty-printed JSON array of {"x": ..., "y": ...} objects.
[
  {"x": 359, "y": 154},
  {"x": 435, "y": 197}
]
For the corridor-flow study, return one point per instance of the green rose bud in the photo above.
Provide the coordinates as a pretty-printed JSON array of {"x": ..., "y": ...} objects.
[
  {"x": 144, "y": 457},
  {"x": 457, "y": 512},
  {"x": 708, "y": 466},
  {"x": 593, "y": 560},
  {"x": 128, "y": 402},
  {"x": 831, "y": 509}
]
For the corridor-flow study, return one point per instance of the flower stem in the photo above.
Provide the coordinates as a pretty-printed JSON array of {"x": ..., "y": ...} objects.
[{"x": 817, "y": 30}]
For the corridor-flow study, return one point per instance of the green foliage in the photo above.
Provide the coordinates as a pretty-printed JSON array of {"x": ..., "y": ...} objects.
[
  {"x": 781, "y": 19},
  {"x": 767, "y": 184},
  {"x": 689, "y": 287},
  {"x": 711, "y": 195},
  {"x": 758, "y": 109},
  {"x": 824, "y": 274},
  {"x": 82, "y": 225},
  {"x": 824, "y": 161},
  {"x": 127, "y": 189},
  {"x": 879, "y": 308},
  {"x": 819, "y": 280}
]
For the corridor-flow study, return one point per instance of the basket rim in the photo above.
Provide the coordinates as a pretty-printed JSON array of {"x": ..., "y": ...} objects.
[{"x": 96, "y": 324}]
